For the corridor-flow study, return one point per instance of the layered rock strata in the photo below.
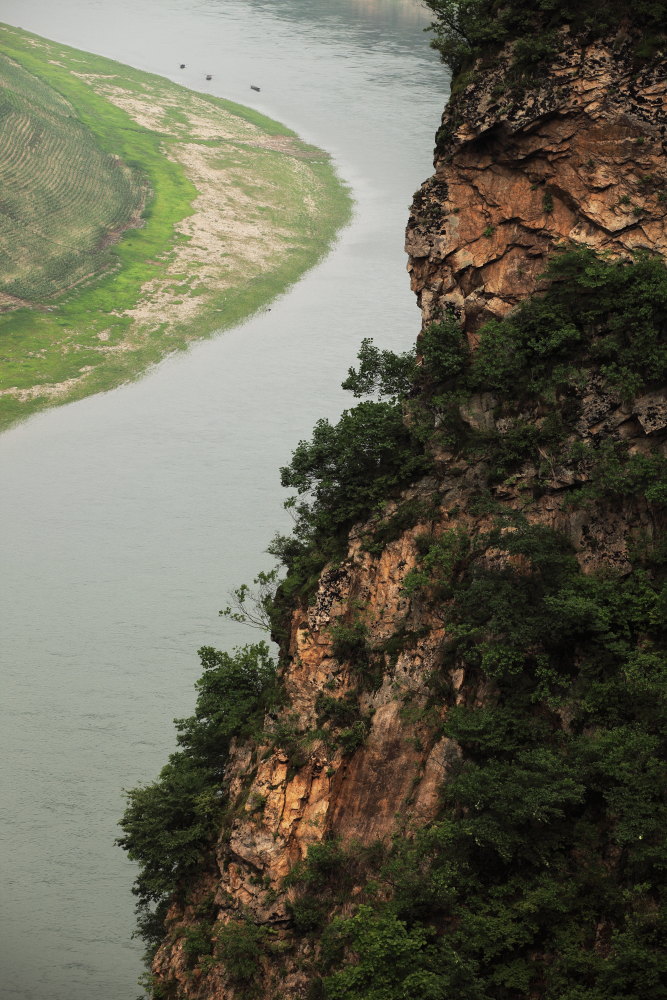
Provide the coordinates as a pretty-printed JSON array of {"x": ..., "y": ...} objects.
[{"x": 577, "y": 159}]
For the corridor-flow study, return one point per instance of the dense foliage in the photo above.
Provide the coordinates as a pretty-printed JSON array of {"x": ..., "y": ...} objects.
[
  {"x": 596, "y": 317},
  {"x": 613, "y": 314},
  {"x": 543, "y": 874},
  {"x": 168, "y": 825},
  {"x": 464, "y": 29},
  {"x": 239, "y": 944},
  {"x": 599, "y": 321},
  {"x": 345, "y": 471},
  {"x": 349, "y": 467}
]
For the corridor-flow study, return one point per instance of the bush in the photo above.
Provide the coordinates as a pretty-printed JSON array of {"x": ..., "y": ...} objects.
[
  {"x": 354, "y": 737},
  {"x": 550, "y": 838},
  {"x": 444, "y": 349},
  {"x": 347, "y": 468},
  {"x": 168, "y": 826},
  {"x": 287, "y": 736},
  {"x": 340, "y": 711},
  {"x": 381, "y": 373},
  {"x": 350, "y": 642},
  {"x": 198, "y": 941},
  {"x": 351, "y": 647},
  {"x": 234, "y": 692},
  {"x": 612, "y": 473},
  {"x": 239, "y": 946},
  {"x": 324, "y": 865},
  {"x": 322, "y": 879},
  {"x": 397, "y": 961},
  {"x": 307, "y": 914},
  {"x": 384, "y": 530},
  {"x": 466, "y": 29}
]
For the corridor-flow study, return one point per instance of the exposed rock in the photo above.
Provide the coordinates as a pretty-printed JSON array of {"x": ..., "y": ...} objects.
[
  {"x": 580, "y": 159},
  {"x": 651, "y": 412}
]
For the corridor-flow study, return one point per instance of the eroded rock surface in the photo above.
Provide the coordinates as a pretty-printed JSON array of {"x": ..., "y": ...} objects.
[{"x": 579, "y": 159}]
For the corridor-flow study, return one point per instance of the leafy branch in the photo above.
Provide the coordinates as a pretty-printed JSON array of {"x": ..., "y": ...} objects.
[{"x": 254, "y": 607}]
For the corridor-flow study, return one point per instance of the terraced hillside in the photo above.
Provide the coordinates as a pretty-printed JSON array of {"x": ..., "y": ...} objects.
[
  {"x": 136, "y": 216},
  {"x": 64, "y": 200}
]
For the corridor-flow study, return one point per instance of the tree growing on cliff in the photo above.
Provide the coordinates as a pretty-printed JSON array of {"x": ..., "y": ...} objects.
[
  {"x": 348, "y": 467},
  {"x": 168, "y": 825},
  {"x": 465, "y": 29}
]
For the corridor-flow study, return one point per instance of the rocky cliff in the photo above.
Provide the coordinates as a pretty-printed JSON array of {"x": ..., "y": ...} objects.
[{"x": 578, "y": 159}]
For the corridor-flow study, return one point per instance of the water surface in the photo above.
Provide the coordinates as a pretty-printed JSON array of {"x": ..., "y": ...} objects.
[{"x": 127, "y": 517}]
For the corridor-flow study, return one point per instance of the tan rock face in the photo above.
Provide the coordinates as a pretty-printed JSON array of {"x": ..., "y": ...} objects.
[
  {"x": 580, "y": 160},
  {"x": 388, "y": 784}
]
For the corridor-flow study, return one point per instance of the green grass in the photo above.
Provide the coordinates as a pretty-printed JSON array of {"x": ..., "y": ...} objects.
[
  {"x": 280, "y": 191},
  {"x": 62, "y": 196}
]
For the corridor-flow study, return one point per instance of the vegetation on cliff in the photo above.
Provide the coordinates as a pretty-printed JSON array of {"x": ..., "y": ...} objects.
[
  {"x": 541, "y": 875},
  {"x": 542, "y": 870},
  {"x": 598, "y": 319},
  {"x": 503, "y": 488},
  {"x": 466, "y": 29},
  {"x": 169, "y": 826}
]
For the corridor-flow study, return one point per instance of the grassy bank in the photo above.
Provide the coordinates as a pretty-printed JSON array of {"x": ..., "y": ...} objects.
[{"x": 229, "y": 209}]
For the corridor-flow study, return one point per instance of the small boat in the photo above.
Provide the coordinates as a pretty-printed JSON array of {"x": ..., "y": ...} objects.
[
  {"x": 253, "y": 87},
  {"x": 208, "y": 76},
  {"x": 182, "y": 65}
]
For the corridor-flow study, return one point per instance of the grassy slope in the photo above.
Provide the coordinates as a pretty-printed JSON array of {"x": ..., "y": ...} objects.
[
  {"x": 279, "y": 206},
  {"x": 62, "y": 197}
]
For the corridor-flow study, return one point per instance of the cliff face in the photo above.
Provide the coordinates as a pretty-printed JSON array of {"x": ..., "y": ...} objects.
[
  {"x": 579, "y": 159},
  {"x": 393, "y": 779}
]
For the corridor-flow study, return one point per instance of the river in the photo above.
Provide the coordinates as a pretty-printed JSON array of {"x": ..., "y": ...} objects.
[{"x": 126, "y": 518}]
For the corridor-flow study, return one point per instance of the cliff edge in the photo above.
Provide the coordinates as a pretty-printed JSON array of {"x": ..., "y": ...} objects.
[
  {"x": 579, "y": 158},
  {"x": 456, "y": 791}
]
